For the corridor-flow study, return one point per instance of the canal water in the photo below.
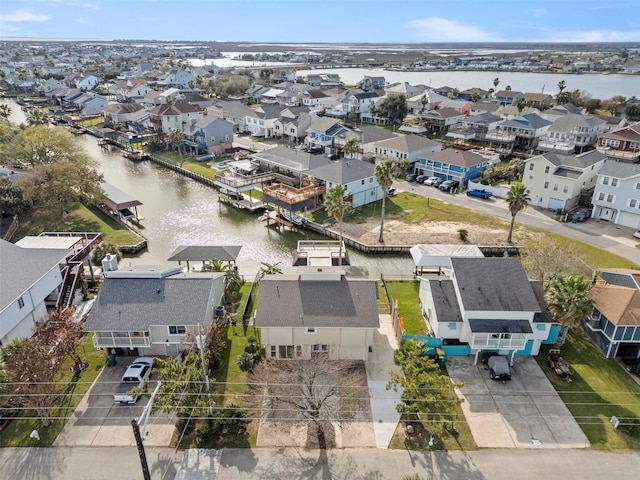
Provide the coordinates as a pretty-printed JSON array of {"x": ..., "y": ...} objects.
[{"x": 180, "y": 211}]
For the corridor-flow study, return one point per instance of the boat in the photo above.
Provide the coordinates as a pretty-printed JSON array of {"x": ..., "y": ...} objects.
[
  {"x": 293, "y": 218},
  {"x": 133, "y": 154},
  {"x": 75, "y": 130}
]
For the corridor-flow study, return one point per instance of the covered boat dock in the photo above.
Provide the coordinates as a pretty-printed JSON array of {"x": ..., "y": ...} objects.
[{"x": 120, "y": 202}]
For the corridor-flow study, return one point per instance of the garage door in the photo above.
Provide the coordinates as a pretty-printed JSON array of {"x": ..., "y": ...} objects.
[
  {"x": 555, "y": 203},
  {"x": 628, "y": 219}
]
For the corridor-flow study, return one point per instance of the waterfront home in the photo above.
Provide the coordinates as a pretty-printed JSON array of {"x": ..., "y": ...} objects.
[
  {"x": 613, "y": 325},
  {"x": 572, "y": 133},
  {"x": 456, "y": 164},
  {"x": 487, "y": 303},
  {"x": 507, "y": 97},
  {"x": 405, "y": 147},
  {"x": 323, "y": 133},
  {"x": 153, "y": 310},
  {"x": 541, "y": 101},
  {"x": 168, "y": 116},
  {"x": 440, "y": 120},
  {"x": 208, "y": 136},
  {"x": 616, "y": 197},
  {"x": 558, "y": 181},
  {"x": 320, "y": 311},
  {"x": 371, "y": 83},
  {"x": 623, "y": 144},
  {"x": 523, "y": 132},
  {"x": 132, "y": 89},
  {"x": 261, "y": 121},
  {"x": 293, "y": 125},
  {"x": 475, "y": 126},
  {"x": 233, "y": 111}
]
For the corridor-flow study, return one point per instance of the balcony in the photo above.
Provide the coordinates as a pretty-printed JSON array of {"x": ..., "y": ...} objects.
[
  {"x": 621, "y": 154},
  {"x": 487, "y": 341},
  {"x": 500, "y": 137},
  {"x": 286, "y": 195},
  {"x": 121, "y": 339}
]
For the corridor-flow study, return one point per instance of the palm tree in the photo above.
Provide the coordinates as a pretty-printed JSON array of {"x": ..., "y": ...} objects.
[
  {"x": 175, "y": 138},
  {"x": 37, "y": 116},
  {"x": 335, "y": 206},
  {"x": 517, "y": 200},
  {"x": 520, "y": 104},
  {"x": 270, "y": 269},
  {"x": 351, "y": 147},
  {"x": 215, "y": 266},
  {"x": 5, "y": 112},
  {"x": 385, "y": 171},
  {"x": 569, "y": 302},
  {"x": 496, "y": 81}
]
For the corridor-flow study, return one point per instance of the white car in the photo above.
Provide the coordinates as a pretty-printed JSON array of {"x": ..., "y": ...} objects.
[{"x": 637, "y": 234}]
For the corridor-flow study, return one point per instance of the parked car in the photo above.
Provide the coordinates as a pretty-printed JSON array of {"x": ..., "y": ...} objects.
[
  {"x": 474, "y": 192},
  {"x": 391, "y": 191},
  {"x": 134, "y": 376},
  {"x": 637, "y": 234},
  {"x": 449, "y": 185},
  {"x": 421, "y": 178},
  {"x": 333, "y": 156},
  {"x": 583, "y": 214},
  {"x": 499, "y": 368},
  {"x": 485, "y": 356},
  {"x": 432, "y": 180},
  {"x": 411, "y": 177}
]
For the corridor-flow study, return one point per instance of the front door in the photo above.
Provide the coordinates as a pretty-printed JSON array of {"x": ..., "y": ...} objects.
[{"x": 606, "y": 214}]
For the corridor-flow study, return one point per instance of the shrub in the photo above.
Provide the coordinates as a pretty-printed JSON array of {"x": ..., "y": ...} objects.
[
  {"x": 463, "y": 234},
  {"x": 246, "y": 361},
  {"x": 185, "y": 423},
  {"x": 228, "y": 421}
]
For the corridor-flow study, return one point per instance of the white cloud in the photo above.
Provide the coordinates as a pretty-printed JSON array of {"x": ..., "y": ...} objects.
[
  {"x": 82, "y": 20},
  {"x": 436, "y": 29},
  {"x": 25, "y": 15},
  {"x": 537, "y": 12},
  {"x": 6, "y": 27},
  {"x": 597, "y": 36}
]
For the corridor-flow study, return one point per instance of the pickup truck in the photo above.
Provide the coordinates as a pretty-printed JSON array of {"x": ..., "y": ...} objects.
[
  {"x": 136, "y": 374},
  {"x": 479, "y": 193}
]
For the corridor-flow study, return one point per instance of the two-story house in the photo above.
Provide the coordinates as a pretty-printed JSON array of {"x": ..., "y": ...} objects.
[
  {"x": 212, "y": 135},
  {"x": 439, "y": 121},
  {"x": 623, "y": 144},
  {"x": 371, "y": 83},
  {"x": 487, "y": 303},
  {"x": 322, "y": 133},
  {"x": 323, "y": 311},
  {"x": 614, "y": 323},
  {"x": 168, "y": 116},
  {"x": 261, "y": 121},
  {"x": 233, "y": 111},
  {"x": 571, "y": 134},
  {"x": 293, "y": 125},
  {"x": 507, "y": 97},
  {"x": 456, "y": 164},
  {"x": 405, "y": 147},
  {"x": 557, "y": 181},
  {"x": 474, "y": 127},
  {"x": 523, "y": 132},
  {"x": 541, "y": 101},
  {"x": 154, "y": 310},
  {"x": 617, "y": 193}
]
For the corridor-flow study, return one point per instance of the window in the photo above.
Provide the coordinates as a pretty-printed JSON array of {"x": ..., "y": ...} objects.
[
  {"x": 546, "y": 184},
  {"x": 453, "y": 326},
  {"x": 614, "y": 182},
  {"x": 546, "y": 169},
  {"x": 285, "y": 351},
  {"x": 633, "y": 202},
  {"x": 362, "y": 182},
  {"x": 273, "y": 351},
  {"x": 311, "y": 329},
  {"x": 605, "y": 180},
  {"x": 610, "y": 198},
  {"x": 601, "y": 196},
  {"x": 20, "y": 302},
  {"x": 177, "y": 330},
  {"x": 541, "y": 326},
  {"x": 298, "y": 351},
  {"x": 531, "y": 166},
  {"x": 637, "y": 187},
  {"x": 565, "y": 189},
  {"x": 555, "y": 187},
  {"x": 318, "y": 348}
]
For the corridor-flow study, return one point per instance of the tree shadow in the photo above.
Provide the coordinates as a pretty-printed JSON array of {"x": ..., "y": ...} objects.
[{"x": 40, "y": 463}]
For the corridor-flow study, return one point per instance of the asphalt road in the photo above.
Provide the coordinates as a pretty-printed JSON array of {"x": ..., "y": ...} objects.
[
  {"x": 122, "y": 463},
  {"x": 606, "y": 235}
]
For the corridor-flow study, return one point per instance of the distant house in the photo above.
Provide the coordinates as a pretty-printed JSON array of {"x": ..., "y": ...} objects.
[
  {"x": 439, "y": 121},
  {"x": 488, "y": 304},
  {"x": 326, "y": 80},
  {"x": 614, "y": 325},
  {"x": 456, "y": 164},
  {"x": 405, "y": 147},
  {"x": 154, "y": 311},
  {"x": 507, "y": 97},
  {"x": 324, "y": 311},
  {"x": 322, "y": 132},
  {"x": 168, "y": 116},
  {"x": 233, "y": 111},
  {"x": 86, "y": 83},
  {"x": 133, "y": 89},
  {"x": 557, "y": 181},
  {"x": 623, "y": 144},
  {"x": 617, "y": 193},
  {"x": 523, "y": 132},
  {"x": 210, "y": 135},
  {"x": 476, "y": 126},
  {"x": 371, "y": 83},
  {"x": 541, "y": 101},
  {"x": 293, "y": 126}
]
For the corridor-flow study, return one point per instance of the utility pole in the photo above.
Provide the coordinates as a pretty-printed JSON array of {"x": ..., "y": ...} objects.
[
  {"x": 200, "y": 343},
  {"x": 143, "y": 456}
]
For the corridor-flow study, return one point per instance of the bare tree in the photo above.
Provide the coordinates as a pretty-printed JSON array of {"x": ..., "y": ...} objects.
[
  {"x": 318, "y": 392},
  {"x": 545, "y": 259}
]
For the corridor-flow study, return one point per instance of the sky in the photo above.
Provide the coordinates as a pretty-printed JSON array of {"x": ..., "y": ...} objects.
[{"x": 326, "y": 21}]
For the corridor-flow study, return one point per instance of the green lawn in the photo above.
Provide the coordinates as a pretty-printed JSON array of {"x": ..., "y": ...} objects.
[
  {"x": 82, "y": 219},
  {"x": 600, "y": 388},
  {"x": 406, "y": 293},
  {"x": 17, "y": 432}
]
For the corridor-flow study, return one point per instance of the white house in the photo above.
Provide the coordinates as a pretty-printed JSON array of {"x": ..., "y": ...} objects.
[
  {"x": 86, "y": 83},
  {"x": 617, "y": 194},
  {"x": 405, "y": 147},
  {"x": 31, "y": 279},
  {"x": 319, "y": 311},
  {"x": 154, "y": 310},
  {"x": 556, "y": 181},
  {"x": 572, "y": 133},
  {"x": 488, "y": 303}
]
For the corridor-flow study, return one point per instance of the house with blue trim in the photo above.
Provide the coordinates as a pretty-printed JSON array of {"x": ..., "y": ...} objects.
[
  {"x": 486, "y": 304},
  {"x": 456, "y": 164},
  {"x": 614, "y": 323}
]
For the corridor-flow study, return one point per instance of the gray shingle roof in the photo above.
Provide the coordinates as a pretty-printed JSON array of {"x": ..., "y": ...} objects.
[
  {"x": 494, "y": 284},
  {"x": 286, "y": 301},
  {"x": 445, "y": 301},
  {"x": 341, "y": 171},
  {"x": 20, "y": 268},
  {"x": 613, "y": 168},
  {"x": 132, "y": 304},
  {"x": 225, "y": 253}
]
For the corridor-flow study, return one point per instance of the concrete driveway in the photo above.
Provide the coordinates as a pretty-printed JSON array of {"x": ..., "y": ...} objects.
[
  {"x": 525, "y": 412},
  {"x": 97, "y": 421}
]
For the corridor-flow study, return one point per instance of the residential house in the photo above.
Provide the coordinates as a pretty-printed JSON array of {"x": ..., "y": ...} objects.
[
  {"x": 623, "y": 144},
  {"x": 614, "y": 324},
  {"x": 208, "y": 135},
  {"x": 402, "y": 89},
  {"x": 50, "y": 85},
  {"x": 475, "y": 126},
  {"x": 409, "y": 148},
  {"x": 456, "y": 164},
  {"x": 439, "y": 121},
  {"x": 168, "y": 116},
  {"x": 320, "y": 311},
  {"x": 261, "y": 121},
  {"x": 322, "y": 132},
  {"x": 487, "y": 303},
  {"x": 316, "y": 100},
  {"x": 119, "y": 114},
  {"x": 154, "y": 310},
  {"x": 617, "y": 193},
  {"x": 86, "y": 83},
  {"x": 523, "y": 132},
  {"x": 326, "y": 80},
  {"x": 572, "y": 133},
  {"x": 558, "y": 181},
  {"x": 507, "y": 97},
  {"x": 357, "y": 103},
  {"x": 509, "y": 112},
  {"x": 180, "y": 79},
  {"x": 32, "y": 280},
  {"x": 444, "y": 91},
  {"x": 89, "y": 103},
  {"x": 133, "y": 89},
  {"x": 234, "y": 111},
  {"x": 472, "y": 93},
  {"x": 254, "y": 92},
  {"x": 293, "y": 126},
  {"x": 371, "y": 83},
  {"x": 561, "y": 110},
  {"x": 541, "y": 101}
]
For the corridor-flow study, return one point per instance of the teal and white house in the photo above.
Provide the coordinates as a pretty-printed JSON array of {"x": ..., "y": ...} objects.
[{"x": 456, "y": 164}]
